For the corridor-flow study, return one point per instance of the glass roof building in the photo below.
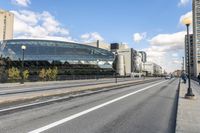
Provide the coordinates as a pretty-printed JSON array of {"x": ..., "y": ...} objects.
[
  {"x": 48, "y": 50},
  {"x": 72, "y": 60}
]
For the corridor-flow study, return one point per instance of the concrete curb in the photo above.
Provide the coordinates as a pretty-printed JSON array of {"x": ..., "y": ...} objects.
[
  {"x": 39, "y": 83},
  {"x": 178, "y": 108}
]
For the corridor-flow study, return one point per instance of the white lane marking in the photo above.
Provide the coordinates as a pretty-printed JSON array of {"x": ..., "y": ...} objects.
[
  {"x": 44, "y": 87},
  {"x": 39, "y": 130},
  {"x": 32, "y": 104}
]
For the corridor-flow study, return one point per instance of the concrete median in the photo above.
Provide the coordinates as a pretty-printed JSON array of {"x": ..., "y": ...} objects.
[{"x": 17, "y": 98}]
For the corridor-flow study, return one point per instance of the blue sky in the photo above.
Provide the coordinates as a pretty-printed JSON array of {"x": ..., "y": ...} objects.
[{"x": 156, "y": 24}]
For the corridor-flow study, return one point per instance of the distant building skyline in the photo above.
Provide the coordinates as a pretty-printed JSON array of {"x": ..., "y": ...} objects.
[{"x": 84, "y": 22}]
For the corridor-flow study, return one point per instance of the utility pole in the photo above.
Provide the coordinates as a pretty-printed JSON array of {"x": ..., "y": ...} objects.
[{"x": 183, "y": 64}]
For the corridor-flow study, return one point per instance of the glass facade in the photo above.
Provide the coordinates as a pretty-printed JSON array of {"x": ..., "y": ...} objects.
[
  {"x": 46, "y": 50},
  {"x": 72, "y": 60}
]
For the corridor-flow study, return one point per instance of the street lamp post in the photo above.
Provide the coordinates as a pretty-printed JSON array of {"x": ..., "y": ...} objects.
[
  {"x": 23, "y": 47},
  {"x": 97, "y": 77},
  {"x": 183, "y": 64},
  {"x": 116, "y": 61},
  {"x": 189, "y": 93}
]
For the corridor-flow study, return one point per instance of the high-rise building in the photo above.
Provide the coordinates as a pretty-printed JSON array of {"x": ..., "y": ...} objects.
[
  {"x": 6, "y": 25},
  {"x": 196, "y": 32},
  {"x": 144, "y": 56},
  {"x": 192, "y": 56}
]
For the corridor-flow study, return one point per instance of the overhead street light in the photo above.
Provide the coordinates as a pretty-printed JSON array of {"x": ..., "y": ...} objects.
[
  {"x": 23, "y": 47},
  {"x": 187, "y": 22}
]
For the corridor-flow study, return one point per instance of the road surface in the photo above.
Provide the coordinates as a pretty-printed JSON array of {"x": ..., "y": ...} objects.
[
  {"x": 145, "y": 108},
  {"x": 52, "y": 86}
]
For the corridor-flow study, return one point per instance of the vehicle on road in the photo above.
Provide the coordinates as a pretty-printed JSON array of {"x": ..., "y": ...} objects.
[{"x": 168, "y": 77}]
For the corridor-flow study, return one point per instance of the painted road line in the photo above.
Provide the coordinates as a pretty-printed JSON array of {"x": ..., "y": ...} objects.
[
  {"x": 55, "y": 87},
  {"x": 6, "y": 110},
  {"x": 54, "y": 124}
]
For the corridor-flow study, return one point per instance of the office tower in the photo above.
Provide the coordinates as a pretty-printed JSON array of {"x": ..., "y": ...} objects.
[
  {"x": 196, "y": 32},
  {"x": 6, "y": 25},
  {"x": 192, "y": 57}
]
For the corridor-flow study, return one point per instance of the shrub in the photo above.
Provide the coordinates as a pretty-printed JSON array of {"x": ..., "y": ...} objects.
[
  {"x": 52, "y": 73},
  {"x": 42, "y": 74},
  {"x": 14, "y": 73},
  {"x": 49, "y": 74},
  {"x": 26, "y": 74}
]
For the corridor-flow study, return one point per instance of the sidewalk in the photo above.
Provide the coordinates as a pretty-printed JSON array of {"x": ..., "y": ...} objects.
[{"x": 188, "y": 114}]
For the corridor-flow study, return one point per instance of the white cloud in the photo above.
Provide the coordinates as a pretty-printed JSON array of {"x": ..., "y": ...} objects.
[
  {"x": 187, "y": 15},
  {"x": 165, "y": 50},
  {"x": 164, "y": 57},
  {"x": 170, "y": 41},
  {"x": 177, "y": 61},
  {"x": 29, "y": 24},
  {"x": 90, "y": 37},
  {"x": 183, "y": 2},
  {"x": 137, "y": 37},
  {"x": 23, "y": 3},
  {"x": 175, "y": 55},
  {"x": 35, "y": 25}
]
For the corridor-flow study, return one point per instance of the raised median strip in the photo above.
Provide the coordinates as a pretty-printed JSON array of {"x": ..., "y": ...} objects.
[
  {"x": 42, "y": 83},
  {"x": 52, "y": 85},
  {"x": 188, "y": 113},
  {"x": 70, "y": 93}
]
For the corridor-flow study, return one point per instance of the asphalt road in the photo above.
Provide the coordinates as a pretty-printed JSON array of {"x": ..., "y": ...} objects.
[
  {"x": 43, "y": 87},
  {"x": 146, "y": 108}
]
